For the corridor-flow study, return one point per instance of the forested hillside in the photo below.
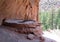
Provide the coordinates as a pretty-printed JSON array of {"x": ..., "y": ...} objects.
[{"x": 50, "y": 14}]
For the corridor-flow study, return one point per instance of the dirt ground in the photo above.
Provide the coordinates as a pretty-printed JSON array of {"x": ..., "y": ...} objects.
[{"x": 7, "y": 35}]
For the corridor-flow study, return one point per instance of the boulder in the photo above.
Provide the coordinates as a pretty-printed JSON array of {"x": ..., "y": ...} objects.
[{"x": 30, "y": 36}]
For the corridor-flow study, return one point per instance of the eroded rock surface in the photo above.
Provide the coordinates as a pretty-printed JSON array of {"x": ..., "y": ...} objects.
[{"x": 7, "y": 35}]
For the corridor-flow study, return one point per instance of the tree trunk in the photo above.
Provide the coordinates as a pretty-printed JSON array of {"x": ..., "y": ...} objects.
[{"x": 19, "y": 9}]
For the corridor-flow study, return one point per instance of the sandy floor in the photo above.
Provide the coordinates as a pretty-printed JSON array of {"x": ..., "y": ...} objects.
[
  {"x": 53, "y": 34},
  {"x": 11, "y": 36}
]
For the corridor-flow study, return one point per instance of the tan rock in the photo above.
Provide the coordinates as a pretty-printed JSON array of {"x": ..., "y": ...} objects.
[{"x": 19, "y": 9}]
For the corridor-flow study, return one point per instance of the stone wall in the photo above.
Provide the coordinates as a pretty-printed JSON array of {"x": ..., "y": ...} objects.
[{"x": 19, "y": 9}]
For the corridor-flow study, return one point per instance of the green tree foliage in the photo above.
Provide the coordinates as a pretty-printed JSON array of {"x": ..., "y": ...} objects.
[
  {"x": 50, "y": 19},
  {"x": 50, "y": 14}
]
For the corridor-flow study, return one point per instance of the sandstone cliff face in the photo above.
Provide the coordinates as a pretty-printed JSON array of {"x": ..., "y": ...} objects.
[{"x": 19, "y": 9}]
